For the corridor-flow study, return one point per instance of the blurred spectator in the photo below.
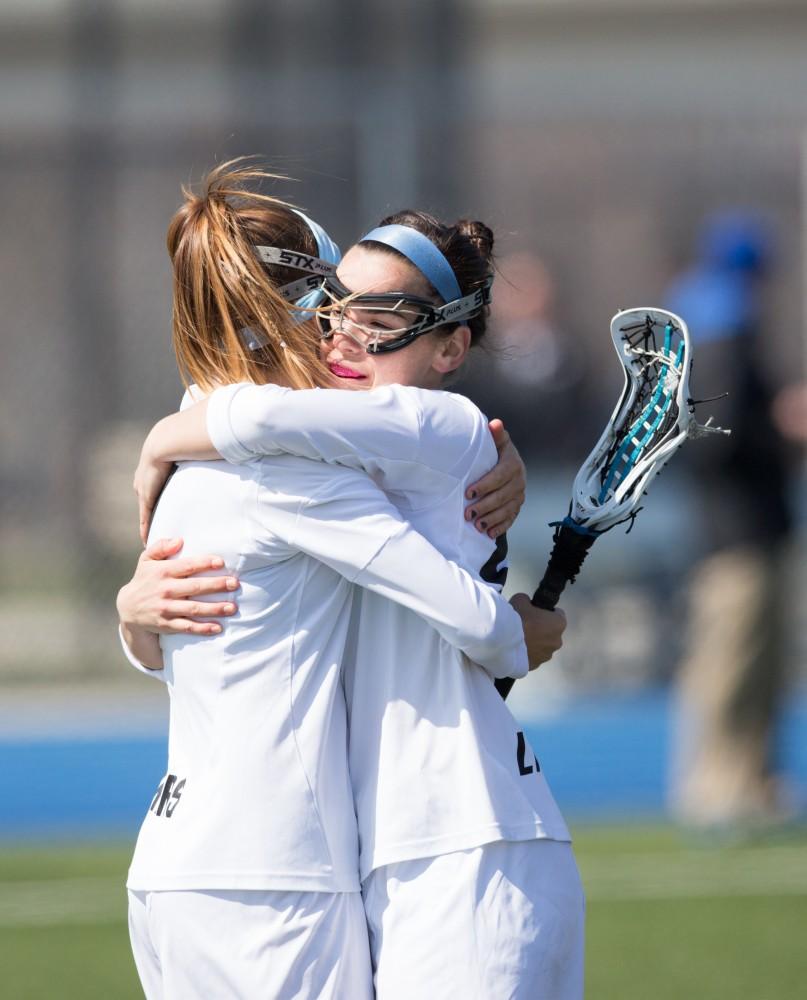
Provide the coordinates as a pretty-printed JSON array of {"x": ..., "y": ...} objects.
[
  {"x": 526, "y": 375},
  {"x": 790, "y": 412},
  {"x": 731, "y": 679}
]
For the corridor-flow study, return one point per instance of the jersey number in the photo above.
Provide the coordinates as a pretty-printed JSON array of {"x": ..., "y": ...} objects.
[{"x": 521, "y": 753}]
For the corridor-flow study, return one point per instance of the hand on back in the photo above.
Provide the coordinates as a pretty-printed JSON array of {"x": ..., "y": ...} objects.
[{"x": 165, "y": 594}]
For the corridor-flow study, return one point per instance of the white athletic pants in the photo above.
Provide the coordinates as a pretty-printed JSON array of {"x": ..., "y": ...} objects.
[
  {"x": 500, "y": 922},
  {"x": 250, "y": 945}
]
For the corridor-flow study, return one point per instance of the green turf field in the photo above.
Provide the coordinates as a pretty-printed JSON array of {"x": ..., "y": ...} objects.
[{"x": 666, "y": 919}]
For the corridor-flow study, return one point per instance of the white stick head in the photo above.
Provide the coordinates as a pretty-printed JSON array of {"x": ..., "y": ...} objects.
[{"x": 650, "y": 422}]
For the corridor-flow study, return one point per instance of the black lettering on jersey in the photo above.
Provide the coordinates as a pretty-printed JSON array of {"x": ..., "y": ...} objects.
[
  {"x": 176, "y": 795},
  {"x": 521, "y": 753},
  {"x": 157, "y": 796},
  {"x": 495, "y": 569},
  {"x": 167, "y": 797}
]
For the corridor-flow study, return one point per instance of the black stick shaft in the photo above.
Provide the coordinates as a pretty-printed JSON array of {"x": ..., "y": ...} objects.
[{"x": 570, "y": 549}]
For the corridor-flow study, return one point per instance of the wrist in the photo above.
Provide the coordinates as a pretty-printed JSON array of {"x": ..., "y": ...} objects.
[
  {"x": 127, "y": 614},
  {"x": 142, "y": 648},
  {"x": 121, "y": 605},
  {"x": 130, "y": 632}
]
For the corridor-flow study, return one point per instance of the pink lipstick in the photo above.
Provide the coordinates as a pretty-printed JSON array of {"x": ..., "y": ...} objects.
[{"x": 341, "y": 372}]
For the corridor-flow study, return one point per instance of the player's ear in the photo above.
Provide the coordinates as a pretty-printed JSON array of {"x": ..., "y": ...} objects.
[{"x": 452, "y": 350}]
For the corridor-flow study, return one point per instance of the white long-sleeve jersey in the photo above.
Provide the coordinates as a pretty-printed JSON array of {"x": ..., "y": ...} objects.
[
  {"x": 257, "y": 794},
  {"x": 437, "y": 761}
]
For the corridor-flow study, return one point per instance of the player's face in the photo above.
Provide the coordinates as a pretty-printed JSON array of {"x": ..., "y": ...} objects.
[{"x": 423, "y": 363}]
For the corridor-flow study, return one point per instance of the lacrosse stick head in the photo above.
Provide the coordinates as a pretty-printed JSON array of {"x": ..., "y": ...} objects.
[{"x": 650, "y": 422}]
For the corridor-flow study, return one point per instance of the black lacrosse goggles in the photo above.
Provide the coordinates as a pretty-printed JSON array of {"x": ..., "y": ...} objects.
[{"x": 383, "y": 322}]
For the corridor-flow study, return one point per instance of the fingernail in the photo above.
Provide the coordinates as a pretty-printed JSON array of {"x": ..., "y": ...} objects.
[
  {"x": 472, "y": 494},
  {"x": 483, "y": 525},
  {"x": 228, "y": 609},
  {"x": 232, "y": 583},
  {"x": 473, "y": 515},
  {"x": 217, "y": 563},
  {"x": 215, "y": 628}
]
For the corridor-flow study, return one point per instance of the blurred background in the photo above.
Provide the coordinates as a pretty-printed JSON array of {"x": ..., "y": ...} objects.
[{"x": 625, "y": 152}]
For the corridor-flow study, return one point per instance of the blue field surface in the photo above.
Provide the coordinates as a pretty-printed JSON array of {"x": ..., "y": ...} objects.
[
  {"x": 609, "y": 759},
  {"x": 605, "y": 758}
]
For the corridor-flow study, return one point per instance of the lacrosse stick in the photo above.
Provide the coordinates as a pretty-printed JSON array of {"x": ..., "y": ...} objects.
[{"x": 653, "y": 418}]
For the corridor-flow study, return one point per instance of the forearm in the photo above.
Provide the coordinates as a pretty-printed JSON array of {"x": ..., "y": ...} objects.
[
  {"x": 181, "y": 437},
  {"x": 350, "y": 526},
  {"x": 331, "y": 425},
  {"x": 467, "y": 613}
]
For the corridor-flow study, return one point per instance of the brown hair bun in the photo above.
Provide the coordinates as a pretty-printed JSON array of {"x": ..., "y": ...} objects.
[{"x": 480, "y": 235}]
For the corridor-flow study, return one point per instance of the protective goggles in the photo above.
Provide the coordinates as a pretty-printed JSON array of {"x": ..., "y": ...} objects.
[
  {"x": 315, "y": 267},
  {"x": 306, "y": 293},
  {"x": 384, "y": 322}
]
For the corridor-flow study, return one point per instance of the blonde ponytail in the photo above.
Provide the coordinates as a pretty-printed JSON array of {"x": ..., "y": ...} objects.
[{"x": 224, "y": 296}]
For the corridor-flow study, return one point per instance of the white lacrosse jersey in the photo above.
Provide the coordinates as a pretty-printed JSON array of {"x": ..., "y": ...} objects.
[
  {"x": 437, "y": 761},
  {"x": 257, "y": 792}
]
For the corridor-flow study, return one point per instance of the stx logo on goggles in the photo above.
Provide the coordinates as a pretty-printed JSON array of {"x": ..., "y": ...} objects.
[
  {"x": 461, "y": 307},
  {"x": 294, "y": 258},
  {"x": 296, "y": 289},
  {"x": 304, "y": 262}
]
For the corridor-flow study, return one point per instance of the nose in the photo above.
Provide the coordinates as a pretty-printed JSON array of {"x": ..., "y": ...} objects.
[{"x": 347, "y": 345}]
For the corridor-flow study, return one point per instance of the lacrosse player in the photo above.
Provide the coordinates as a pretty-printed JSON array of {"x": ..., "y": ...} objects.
[
  {"x": 244, "y": 880},
  {"x": 469, "y": 881}
]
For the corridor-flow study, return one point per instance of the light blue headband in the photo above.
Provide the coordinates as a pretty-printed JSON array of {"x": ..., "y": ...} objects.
[
  {"x": 326, "y": 247},
  {"x": 327, "y": 251},
  {"x": 420, "y": 250}
]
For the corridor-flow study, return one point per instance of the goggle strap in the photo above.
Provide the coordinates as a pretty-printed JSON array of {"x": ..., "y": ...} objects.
[
  {"x": 297, "y": 289},
  {"x": 466, "y": 307},
  {"x": 253, "y": 340},
  {"x": 296, "y": 259}
]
